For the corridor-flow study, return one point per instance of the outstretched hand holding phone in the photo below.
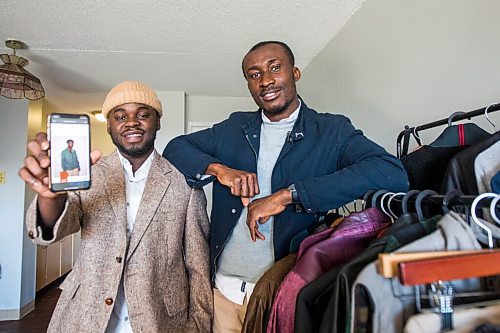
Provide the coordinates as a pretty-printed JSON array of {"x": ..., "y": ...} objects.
[{"x": 35, "y": 173}]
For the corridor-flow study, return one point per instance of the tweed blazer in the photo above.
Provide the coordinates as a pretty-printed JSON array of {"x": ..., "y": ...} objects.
[{"x": 165, "y": 267}]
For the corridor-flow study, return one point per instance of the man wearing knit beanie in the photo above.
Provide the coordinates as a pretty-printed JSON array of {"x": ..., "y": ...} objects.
[{"x": 143, "y": 264}]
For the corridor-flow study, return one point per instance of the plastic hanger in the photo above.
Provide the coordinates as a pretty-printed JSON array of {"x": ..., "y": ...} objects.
[
  {"x": 375, "y": 197},
  {"x": 447, "y": 197},
  {"x": 453, "y": 115},
  {"x": 383, "y": 208},
  {"x": 488, "y": 118},
  {"x": 418, "y": 202},
  {"x": 477, "y": 221},
  {"x": 366, "y": 198},
  {"x": 389, "y": 203},
  {"x": 493, "y": 210},
  {"x": 404, "y": 204}
]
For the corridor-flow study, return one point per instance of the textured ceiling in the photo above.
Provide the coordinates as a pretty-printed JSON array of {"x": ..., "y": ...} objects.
[{"x": 80, "y": 49}]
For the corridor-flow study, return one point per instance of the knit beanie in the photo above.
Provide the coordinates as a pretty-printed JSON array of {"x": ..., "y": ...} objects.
[{"x": 131, "y": 92}]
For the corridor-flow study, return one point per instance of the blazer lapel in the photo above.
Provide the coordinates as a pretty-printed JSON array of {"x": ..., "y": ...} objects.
[
  {"x": 156, "y": 186},
  {"x": 114, "y": 183}
]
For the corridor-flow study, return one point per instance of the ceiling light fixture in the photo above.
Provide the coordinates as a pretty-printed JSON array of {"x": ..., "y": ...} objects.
[
  {"x": 15, "y": 81},
  {"x": 99, "y": 116}
]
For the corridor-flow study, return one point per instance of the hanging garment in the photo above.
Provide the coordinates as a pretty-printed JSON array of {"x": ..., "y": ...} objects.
[
  {"x": 464, "y": 320},
  {"x": 264, "y": 292},
  {"x": 486, "y": 166},
  {"x": 460, "y": 135},
  {"x": 383, "y": 305},
  {"x": 427, "y": 166},
  {"x": 318, "y": 254},
  {"x": 460, "y": 174},
  {"x": 495, "y": 183},
  {"x": 324, "y": 304}
]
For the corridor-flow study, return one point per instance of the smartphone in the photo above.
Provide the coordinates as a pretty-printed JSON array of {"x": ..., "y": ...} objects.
[{"x": 69, "y": 137}]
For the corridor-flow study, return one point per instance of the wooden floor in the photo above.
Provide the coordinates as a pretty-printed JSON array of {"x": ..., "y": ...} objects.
[{"x": 36, "y": 321}]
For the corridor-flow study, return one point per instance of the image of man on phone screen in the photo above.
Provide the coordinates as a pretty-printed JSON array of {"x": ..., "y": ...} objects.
[{"x": 69, "y": 160}]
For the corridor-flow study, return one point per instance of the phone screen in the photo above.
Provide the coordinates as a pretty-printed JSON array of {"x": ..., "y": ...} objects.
[{"x": 69, "y": 137}]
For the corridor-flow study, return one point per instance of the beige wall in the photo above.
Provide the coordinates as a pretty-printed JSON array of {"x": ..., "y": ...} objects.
[
  {"x": 400, "y": 62},
  {"x": 212, "y": 109},
  {"x": 174, "y": 115}
]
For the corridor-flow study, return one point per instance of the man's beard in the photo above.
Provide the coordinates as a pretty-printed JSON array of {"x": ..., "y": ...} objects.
[
  {"x": 279, "y": 109},
  {"x": 135, "y": 151}
]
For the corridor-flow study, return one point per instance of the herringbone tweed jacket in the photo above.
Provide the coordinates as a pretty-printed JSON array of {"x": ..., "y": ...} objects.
[{"x": 165, "y": 267}]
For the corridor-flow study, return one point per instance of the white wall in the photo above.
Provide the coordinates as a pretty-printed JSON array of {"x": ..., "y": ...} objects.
[
  {"x": 213, "y": 109},
  {"x": 204, "y": 111},
  {"x": 16, "y": 289},
  {"x": 35, "y": 121},
  {"x": 400, "y": 62},
  {"x": 173, "y": 119}
]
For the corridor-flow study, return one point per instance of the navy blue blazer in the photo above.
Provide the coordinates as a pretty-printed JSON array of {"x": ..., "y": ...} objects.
[{"x": 330, "y": 162}]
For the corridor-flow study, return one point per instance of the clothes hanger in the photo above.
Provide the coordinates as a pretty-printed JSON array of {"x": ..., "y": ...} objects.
[
  {"x": 375, "y": 197},
  {"x": 388, "y": 263},
  {"x": 488, "y": 118},
  {"x": 466, "y": 265},
  {"x": 383, "y": 208},
  {"x": 493, "y": 210},
  {"x": 453, "y": 115},
  {"x": 477, "y": 221},
  {"x": 448, "y": 197},
  {"x": 418, "y": 202},
  {"x": 404, "y": 204},
  {"x": 366, "y": 198},
  {"x": 389, "y": 203}
]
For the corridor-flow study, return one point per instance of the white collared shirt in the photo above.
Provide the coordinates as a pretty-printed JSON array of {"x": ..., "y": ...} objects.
[{"x": 134, "y": 187}]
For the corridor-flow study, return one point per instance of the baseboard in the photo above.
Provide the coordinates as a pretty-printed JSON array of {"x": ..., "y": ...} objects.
[{"x": 16, "y": 314}]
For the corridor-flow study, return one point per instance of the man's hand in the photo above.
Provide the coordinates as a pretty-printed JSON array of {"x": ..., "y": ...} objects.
[
  {"x": 243, "y": 184},
  {"x": 262, "y": 209},
  {"x": 34, "y": 172}
]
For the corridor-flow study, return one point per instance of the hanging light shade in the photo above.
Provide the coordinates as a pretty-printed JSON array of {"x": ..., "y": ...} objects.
[{"x": 15, "y": 81}]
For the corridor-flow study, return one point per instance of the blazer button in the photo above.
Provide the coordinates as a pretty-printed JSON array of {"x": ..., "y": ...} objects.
[
  {"x": 108, "y": 301},
  {"x": 119, "y": 260},
  {"x": 233, "y": 211}
]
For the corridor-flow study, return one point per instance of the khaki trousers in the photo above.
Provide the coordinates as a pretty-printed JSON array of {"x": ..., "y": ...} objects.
[{"x": 228, "y": 316}]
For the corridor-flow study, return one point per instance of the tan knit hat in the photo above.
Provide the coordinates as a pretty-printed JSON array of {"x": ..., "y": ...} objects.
[{"x": 131, "y": 92}]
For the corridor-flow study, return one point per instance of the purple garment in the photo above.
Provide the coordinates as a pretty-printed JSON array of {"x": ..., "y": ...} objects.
[{"x": 317, "y": 255}]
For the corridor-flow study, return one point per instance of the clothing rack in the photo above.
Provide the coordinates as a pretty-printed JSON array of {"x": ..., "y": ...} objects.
[
  {"x": 426, "y": 202},
  {"x": 455, "y": 117},
  {"x": 453, "y": 201}
]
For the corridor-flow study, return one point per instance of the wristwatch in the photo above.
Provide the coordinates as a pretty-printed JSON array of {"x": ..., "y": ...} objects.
[{"x": 294, "y": 193}]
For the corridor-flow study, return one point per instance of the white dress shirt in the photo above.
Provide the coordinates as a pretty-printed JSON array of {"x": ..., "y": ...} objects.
[{"x": 134, "y": 186}]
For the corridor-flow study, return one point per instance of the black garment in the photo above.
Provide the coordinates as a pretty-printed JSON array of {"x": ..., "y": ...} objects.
[
  {"x": 426, "y": 166},
  {"x": 460, "y": 173},
  {"x": 472, "y": 134},
  {"x": 324, "y": 304},
  {"x": 487, "y": 328}
]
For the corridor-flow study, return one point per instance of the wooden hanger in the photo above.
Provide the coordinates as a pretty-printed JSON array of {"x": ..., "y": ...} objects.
[
  {"x": 388, "y": 263},
  {"x": 474, "y": 264}
]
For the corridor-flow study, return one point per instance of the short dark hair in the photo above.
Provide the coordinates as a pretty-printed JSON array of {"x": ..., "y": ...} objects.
[
  {"x": 285, "y": 47},
  {"x": 68, "y": 141}
]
